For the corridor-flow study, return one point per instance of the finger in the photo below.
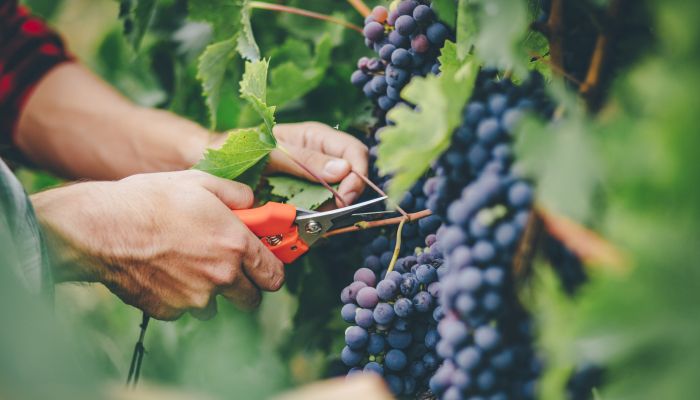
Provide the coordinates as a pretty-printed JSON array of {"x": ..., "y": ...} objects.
[
  {"x": 206, "y": 313},
  {"x": 331, "y": 169},
  {"x": 327, "y": 140},
  {"x": 261, "y": 266},
  {"x": 234, "y": 194},
  {"x": 242, "y": 293}
]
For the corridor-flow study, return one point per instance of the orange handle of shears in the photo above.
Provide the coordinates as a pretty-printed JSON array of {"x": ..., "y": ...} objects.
[{"x": 274, "y": 224}]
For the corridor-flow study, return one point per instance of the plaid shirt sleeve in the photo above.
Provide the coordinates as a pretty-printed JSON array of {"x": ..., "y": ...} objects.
[{"x": 28, "y": 50}]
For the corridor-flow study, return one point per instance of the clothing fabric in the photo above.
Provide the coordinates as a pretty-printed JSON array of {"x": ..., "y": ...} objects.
[{"x": 28, "y": 50}]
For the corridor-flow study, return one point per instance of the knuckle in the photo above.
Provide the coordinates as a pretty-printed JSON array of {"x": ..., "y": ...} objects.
[
  {"x": 225, "y": 276},
  {"x": 199, "y": 301}
]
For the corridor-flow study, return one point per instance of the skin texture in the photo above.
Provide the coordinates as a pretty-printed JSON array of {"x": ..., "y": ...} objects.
[{"x": 165, "y": 242}]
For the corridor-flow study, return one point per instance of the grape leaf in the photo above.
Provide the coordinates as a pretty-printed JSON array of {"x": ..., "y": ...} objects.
[
  {"x": 300, "y": 192},
  {"x": 254, "y": 90},
  {"x": 211, "y": 72},
  {"x": 244, "y": 154},
  {"x": 446, "y": 10},
  {"x": 223, "y": 15},
  {"x": 247, "y": 47},
  {"x": 293, "y": 79},
  {"x": 243, "y": 149},
  {"x": 496, "y": 29},
  {"x": 420, "y": 135}
]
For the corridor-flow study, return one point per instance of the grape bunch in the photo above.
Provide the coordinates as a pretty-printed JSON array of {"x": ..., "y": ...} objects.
[
  {"x": 407, "y": 39},
  {"x": 486, "y": 204},
  {"x": 394, "y": 317}
]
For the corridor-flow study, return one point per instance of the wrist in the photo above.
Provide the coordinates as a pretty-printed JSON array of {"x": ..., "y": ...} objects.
[{"x": 62, "y": 213}]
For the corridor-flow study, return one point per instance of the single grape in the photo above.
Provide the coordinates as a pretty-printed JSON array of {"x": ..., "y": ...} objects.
[
  {"x": 406, "y": 7},
  {"x": 364, "y": 318},
  {"x": 386, "y": 103},
  {"x": 420, "y": 43},
  {"x": 365, "y": 275},
  {"x": 422, "y": 13},
  {"x": 405, "y": 25},
  {"x": 422, "y": 301},
  {"x": 383, "y": 313},
  {"x": 403, "y": 307},
  {"x": 395, "y": 360},
  {"x": 386, "y": 51},
  {"x": 348, "y": 313},
  {"x": 437, "y": 33},
  {"x": 380, "y": 14},
  {"x": 483, "y": 252},
  {"x": 470, "y": 279},
  {"x": 426, "y": 274},
  {"x": 374, "y": 31},
  {"x": 489, "y": 131},
  {"x": 374, "y": 367},
  {"x": 399, "y": 339},
  {"x": 359, "y": 78},
  {"x": 376, "y": 343},
  {"x": 486, "y": 337},
  {"x": 399, "y": 40},
  {"x": 468, "y": 358},
  {"x": 350, "y": 357},
  {"x": 520, "y": 195},
  {"x": 356, "y": 337}
]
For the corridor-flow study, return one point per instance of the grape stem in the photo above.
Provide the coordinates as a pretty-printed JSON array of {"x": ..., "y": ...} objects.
[
  {"x": 315, "y": 175},
  {"x": 589, "y": 86},
  {"x": 379, "y": 223},
  {"x": 380, "y": 192},
  {"x": 361, "y": 7},
  {"x": 397, "y": 247},
  {"x": 306, "y": 13}
]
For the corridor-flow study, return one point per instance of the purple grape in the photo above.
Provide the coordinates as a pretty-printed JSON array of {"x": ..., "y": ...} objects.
[
  {"x": 374, "y": 31},
  {"x": 356, "y": 337},
  {"x": 405, "y": 25},
  {"x": 374, "y": 367},
  {"x": 386, "y": 103},
  {"x": 489, "y": 131},
  {"x": 422, "y": 13},
  {"x": 364, "y": 318},
  {"x": 520, "y": 195},
  {"x": 350, "y": 357},
  {"x": 399, "y": 40},
  {"x": 386, "y": 51},
  {"x": 426, "y": 274},
  {"x": 422, "y": 301},
  {"x": 401, "y": 58},
  {"x": 376, "y": 343},
  {"x": 437, "y": 33},
  {"x": 468, "y": 358},
  {"x": 406, "y": 7},
  {"x": 348, "y": 313},
  {"x": 359, "y": 78},
  {"x": 396, "y": 76},
  {"x": 486, "y": 337},
  {"x": 383, "y": 313},
  {"x": 395, "y": 360},
  {"x": 403, "y": 307},
  {"x": 365, "y": 275},
  {"x": 386, "y": 289},
  {"x": 483, "y": 252},
  {"x": 399, "y": 339},
  {"x": 420, "y": 43}
]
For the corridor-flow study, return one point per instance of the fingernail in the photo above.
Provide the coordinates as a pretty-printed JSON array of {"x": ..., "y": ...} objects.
[
  {"x": 350, "y": 197},
  {"x": 336, "y": 168}
]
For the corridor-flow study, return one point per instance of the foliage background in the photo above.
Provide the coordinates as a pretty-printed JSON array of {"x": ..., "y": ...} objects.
[{"x": 630, "y": 171}]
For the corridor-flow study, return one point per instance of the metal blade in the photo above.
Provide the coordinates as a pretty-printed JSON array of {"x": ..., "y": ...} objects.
[{"x": 313, "y": 226}]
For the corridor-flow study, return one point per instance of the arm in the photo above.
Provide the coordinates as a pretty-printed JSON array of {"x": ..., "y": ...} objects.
[{"x": 78, "y": 126}]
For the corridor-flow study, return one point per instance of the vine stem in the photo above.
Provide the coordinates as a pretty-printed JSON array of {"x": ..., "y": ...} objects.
[
  {"x": 555, "y": 27},
  {"x": 397, "y": 246},
  {"x": 381, "y": 192},
  {"x": 315, "y": 175},
  {"x": 306, "y": 13},
  {"x": 379, "y": 223},
  {"x": 361, "y": 7}
]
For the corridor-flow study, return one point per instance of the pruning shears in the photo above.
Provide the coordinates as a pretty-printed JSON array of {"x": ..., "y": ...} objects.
[{"x": 289, "y": 231}]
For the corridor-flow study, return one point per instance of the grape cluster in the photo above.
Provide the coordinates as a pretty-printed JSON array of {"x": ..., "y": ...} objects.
[
  {"x": 394, "y": 317},
  {"x": 486, "y": 203},
  {"x": 407, "y": 39}
]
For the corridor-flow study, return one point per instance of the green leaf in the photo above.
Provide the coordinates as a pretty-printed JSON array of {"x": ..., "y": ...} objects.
[
  {"x": 446, "y": 10},
  {"x": 211, "y": 72},
  {"x": 420, "y": 135},
  {"x": 243, "y": 149},
  {"x": 293, "y": 79},
  {"x": 466, "y": 27},
  {"x": 300, "y": 192},
  {"x": 247, "y": 46},
  {"x": 139, "y": 17},
  {"x": 223, "y": 15},
  {"x": 254, "y": 90}
]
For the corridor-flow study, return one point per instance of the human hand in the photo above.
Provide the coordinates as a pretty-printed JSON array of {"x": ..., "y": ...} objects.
[
  {"x": 330, "y": 153},
  {"x": 166, "y": 243}
]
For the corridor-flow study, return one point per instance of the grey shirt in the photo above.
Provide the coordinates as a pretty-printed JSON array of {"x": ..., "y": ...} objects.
[{"x": 26, "y": 253}]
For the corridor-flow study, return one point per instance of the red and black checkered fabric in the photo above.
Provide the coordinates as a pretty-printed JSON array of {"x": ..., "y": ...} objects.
[{"x": 28, "y": 50}]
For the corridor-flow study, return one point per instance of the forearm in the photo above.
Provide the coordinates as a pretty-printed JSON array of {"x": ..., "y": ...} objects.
[{"x": 79, "y": 127}]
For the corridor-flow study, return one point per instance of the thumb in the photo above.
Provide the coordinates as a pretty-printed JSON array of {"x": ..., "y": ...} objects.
[
  {"x": 234, "y": 194},
  {"x": 330, "y": 168}
]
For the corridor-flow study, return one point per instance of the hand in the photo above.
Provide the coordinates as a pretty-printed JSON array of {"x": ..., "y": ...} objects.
[
  {"x": 330, "y": 153},
  {"x": 166, "y": 243}
]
